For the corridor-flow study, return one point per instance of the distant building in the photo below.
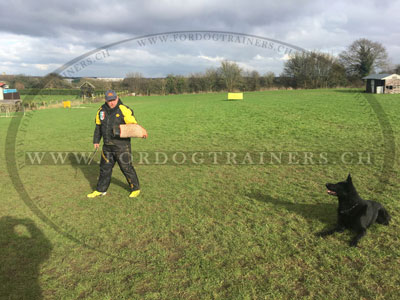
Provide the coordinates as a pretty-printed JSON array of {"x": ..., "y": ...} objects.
[
  {"x": 2, "y": 87},
  {"x": 87, "y": 90},
  {"x": 383, "y": 83},
  {"x": 69, "y": 80},
  {"x": 111, "y": 79},
  {"x": 8, "y": 94}
]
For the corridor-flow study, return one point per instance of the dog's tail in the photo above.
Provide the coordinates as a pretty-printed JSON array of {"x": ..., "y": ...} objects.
[{"x": 383, "y": 216}]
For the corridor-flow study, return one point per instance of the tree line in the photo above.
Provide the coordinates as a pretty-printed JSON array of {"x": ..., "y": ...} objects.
[
  {"x": 229, "y": 77},
  {"x": 54, "y": 81},
  {"x": 319, "y": 70},
  {"x": 306, "y": 70}
]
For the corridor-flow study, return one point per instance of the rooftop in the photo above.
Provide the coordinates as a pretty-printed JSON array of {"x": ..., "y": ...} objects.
[{"x": 377, "y": 76}]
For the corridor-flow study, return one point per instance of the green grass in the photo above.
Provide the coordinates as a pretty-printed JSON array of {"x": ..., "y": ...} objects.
[{"x": 205, "y": 231}]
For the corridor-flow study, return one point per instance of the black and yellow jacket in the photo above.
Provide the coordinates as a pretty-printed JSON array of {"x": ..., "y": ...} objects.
[{"x": 108, "y": 121}]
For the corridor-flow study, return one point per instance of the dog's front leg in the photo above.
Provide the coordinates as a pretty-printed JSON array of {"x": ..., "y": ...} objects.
[
  {"x": 359, "y": 235},
  {"x": 338, "y": 228}
]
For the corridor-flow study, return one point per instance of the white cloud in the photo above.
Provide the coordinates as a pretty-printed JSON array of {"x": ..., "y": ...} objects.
[
  {"x": 34, "y": 42},
  {"x": 213, "y": 59},
  {"x": 42, "y": 67}
]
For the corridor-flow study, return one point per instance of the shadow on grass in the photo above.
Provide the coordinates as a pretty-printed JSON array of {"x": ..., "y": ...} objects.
[
  {"x": 323, "y": 212},
  {"x": 23, "y": 247},
  {"x": 91, "y": 173}
]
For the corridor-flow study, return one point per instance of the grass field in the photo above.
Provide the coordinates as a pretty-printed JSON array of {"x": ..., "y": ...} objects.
[{"x": 207, "y": 231}]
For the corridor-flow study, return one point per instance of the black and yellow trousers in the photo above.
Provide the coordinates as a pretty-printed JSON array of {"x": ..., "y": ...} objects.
[{"x": 123, "y": 156}]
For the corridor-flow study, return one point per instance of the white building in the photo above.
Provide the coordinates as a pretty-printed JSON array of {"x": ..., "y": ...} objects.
[{"x": 2, "y": 87}]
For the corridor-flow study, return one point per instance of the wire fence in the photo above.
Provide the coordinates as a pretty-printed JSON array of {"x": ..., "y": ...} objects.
[{"x": 11, "y": 108}]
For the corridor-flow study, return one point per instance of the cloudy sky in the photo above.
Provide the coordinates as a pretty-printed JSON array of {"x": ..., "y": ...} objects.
[{"x": 38, "y": 37}]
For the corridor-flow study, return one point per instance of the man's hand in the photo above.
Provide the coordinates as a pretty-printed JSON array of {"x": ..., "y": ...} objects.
[
  {"x": 96, "y": 146},
  {"x": 145, "y": 135}
]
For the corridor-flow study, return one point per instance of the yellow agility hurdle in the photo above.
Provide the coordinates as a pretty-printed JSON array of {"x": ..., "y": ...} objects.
[
  {"x": 235, "y": 96},
  {"x": 67, "y": 104}
]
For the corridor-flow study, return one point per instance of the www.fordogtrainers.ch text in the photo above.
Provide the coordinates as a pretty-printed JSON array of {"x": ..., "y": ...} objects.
[{"x": 237, "y": 158}]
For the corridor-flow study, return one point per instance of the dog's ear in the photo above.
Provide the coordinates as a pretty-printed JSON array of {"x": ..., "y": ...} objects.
[{"x": 349, "y": 179}]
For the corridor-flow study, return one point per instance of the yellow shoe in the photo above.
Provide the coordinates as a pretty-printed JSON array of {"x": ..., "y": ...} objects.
[
  {"x": 96, "y": 194},
  {"x": 134, "y": 194}
]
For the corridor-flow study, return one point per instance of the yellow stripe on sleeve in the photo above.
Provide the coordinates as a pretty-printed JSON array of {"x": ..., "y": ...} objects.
[
  {"x": 128, "y": 115},
  {"x": 98, "y": 117}
]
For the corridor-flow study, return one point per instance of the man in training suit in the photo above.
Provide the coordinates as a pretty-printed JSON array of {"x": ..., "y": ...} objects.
[{"x": 115, "y": 149}]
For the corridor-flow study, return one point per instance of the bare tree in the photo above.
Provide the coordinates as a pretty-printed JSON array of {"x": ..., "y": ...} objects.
[
  {"x": 254, "y": 81},
  {"x": 196, "y": 82},
  {"x": 311, "y": 70},
  {"x": 212, "y": 80},
  {"x": 53, "y": 81},
  {"x": 134, "y": 82},
  {"x": 231, "y": 73},
  {"x": 393, "y": 69},
  {"x": 268, "y": 79},
  {"x": 363, "y": 57}
]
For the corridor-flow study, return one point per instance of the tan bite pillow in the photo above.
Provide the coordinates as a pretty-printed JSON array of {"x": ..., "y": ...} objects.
[{"x": 132, "y": 130}]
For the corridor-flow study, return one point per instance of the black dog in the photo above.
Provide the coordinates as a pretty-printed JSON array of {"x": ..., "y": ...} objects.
[{"x": 354, "y": 213}]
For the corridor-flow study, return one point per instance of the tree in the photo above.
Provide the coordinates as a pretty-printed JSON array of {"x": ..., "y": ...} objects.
[
  {"x": 155, "y": 86},
  {"x": 312, "y": 70},
  {"x": 337, "y": 75},
  {"x": 253, "y": 81},
  {"x": 19, "y": 85},
  {"x": 213, "y": 81},
  {"x": 393, "y": 69},
  {"x": 170, "y": 85},
  {"x": 180, "y": 84},
  {"x": 134, "y": 82},
  {"x": 24, "y": 82},
  {"x": 363, "y": 57},
  {"x": 54, "y": 81},
  {"x": 231, "y": 73},
  {"x": 267, "y": 80},
  {"x": 98, "y": 83},
  {"x": 163, "y": 86},
  {"x": 195, "y": 82}
]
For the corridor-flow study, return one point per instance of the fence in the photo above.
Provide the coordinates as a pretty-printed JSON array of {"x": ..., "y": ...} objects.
[{"x": 8, "y": 109}]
